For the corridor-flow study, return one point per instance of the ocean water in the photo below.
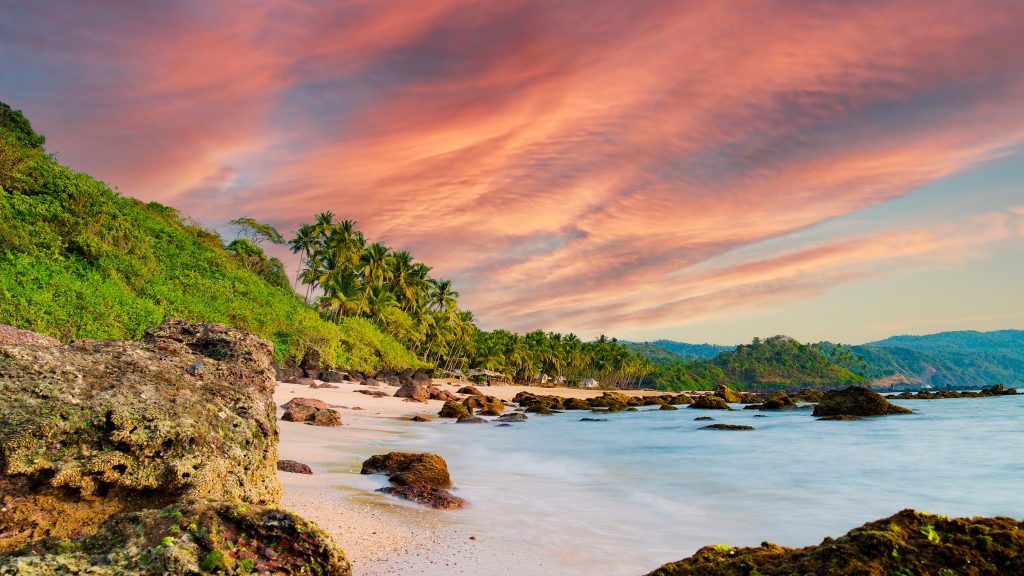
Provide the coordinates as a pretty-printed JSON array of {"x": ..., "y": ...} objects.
[{"x": 649, "y": 487}]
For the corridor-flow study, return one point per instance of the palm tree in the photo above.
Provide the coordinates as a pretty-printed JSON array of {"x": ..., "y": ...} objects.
[
  {"x": 373, "y": 266},
  {"x": 303, "y": 244},
  {"x": 442, "y": 297}
]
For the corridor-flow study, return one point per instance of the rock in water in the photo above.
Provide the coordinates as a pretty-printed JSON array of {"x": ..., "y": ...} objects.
[
  {"x": 667, "y": 407},
  {"x": 710, "y": 403},
  {"x": 513, "y": 417},
  {"x": 97, "y": 428},
  {"x": 293, "y": 467},
  {"x": 452, "y": 409},
  {"x": 423, "y": 494},
  {"x": 726, "y": 427},
  {"x": 414, "y": 391},
  {"x": 471, "y": 420},
  {"x": 193, "y": 538},
  {"x": 405, "y": 468},
  {"x": 856, "y": 401},
  {"x": 908, "y": 542}
]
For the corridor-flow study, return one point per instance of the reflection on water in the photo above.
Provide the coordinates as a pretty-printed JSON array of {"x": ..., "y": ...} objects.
[{"x": 623, "y": 496}]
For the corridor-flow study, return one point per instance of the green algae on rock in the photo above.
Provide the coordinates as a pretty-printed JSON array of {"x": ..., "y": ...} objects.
[
  {"x": 856, "y": 401},
  {"x": 96, "y": 428},
  {"x": 404, "y": 468},
  {"x": 194, "y": 537},
  {"x": 906, "y": 543},
  {"x": 453, "y": 409},
  {"x": 710, "y": 403},
  {"x": 486, "y": 405}
]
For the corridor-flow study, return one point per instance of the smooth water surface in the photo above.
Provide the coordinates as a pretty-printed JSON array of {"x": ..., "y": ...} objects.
[{"x": 644, "y": 488}]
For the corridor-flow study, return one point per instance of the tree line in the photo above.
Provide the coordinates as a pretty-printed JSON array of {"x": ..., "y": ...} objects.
[{"x": 343, "y": 275}]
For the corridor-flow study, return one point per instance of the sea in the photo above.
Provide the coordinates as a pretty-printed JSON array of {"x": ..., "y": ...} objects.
[{"x": 644, "y": 488}]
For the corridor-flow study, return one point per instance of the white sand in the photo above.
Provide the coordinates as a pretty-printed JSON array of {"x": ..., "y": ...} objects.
[{"x": 379, "y": 533}]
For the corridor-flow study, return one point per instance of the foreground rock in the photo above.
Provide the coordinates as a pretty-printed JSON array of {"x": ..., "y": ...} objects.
[
  {"x": 98, "y": 428},
  {"x": 906, "y": 543},
  {"x": 856, "y": 401},
  {"x": 486, "y": 405},
  {"x": 453, "y": 409},
  {"x": 192, "y": 538},
  {"x": 104, "y": 446},
  {"x": 405, "y": 468},
  {"x": 425, "y": 495},
  {"x": 414, "y": 391}
]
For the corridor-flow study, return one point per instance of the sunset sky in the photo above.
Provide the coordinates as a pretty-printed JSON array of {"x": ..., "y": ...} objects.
[{"x": 689, "y": 170}]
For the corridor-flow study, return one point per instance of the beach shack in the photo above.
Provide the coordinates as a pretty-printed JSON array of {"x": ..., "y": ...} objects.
[{"x": 589, "y": 383}]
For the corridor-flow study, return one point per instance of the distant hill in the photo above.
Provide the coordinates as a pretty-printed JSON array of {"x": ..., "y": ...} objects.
[
  {"x": 962, "y": 359},
  {"x": 653, "y": 352},
  {"x": 776, "y": 363},
  {"x": 686, "y": 350}
]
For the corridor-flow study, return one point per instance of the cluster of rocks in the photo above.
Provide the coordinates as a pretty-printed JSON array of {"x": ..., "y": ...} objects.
[
  {"x": 421, "y": 478},
  {"x": 607, "y": 402},
  {"x": 908, "y": 542},
  {"x": 475, "y": 403},
  {"x": 997, "y": 390},
  {"x": 152, "y": 457},
  {"x": 856, "y": 401}
]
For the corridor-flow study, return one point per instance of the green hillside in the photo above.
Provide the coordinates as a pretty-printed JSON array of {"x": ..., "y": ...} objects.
[
  {"x": 699, "y": 351},
  {"x": 776, "y": 363},
  {"x": 654, "y": 352},
  {"x": 964, "y": 359},
  {"x": 78, "y": 260}
]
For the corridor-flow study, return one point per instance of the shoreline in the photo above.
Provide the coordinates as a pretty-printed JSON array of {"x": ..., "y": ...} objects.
[{"x": 381, "y": 534}]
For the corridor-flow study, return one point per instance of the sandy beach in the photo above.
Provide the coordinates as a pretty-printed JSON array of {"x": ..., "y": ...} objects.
[{"x": 379, "y": 533}]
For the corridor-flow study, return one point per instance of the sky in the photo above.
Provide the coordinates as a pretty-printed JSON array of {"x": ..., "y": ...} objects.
[{"x": 696, "y": 170}]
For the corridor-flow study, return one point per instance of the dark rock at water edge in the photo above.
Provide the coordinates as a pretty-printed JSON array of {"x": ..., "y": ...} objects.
[
  {"x": 514, "y": 417},
  {"x": 997, "y": 390},
  {"x": 698, "y": 418},
  {"x": 471, "y": 420},
  {"x": 404, "y": 468},
  {"x": 726, "y": 427},
  {"x": 293, "y": 467},
  {"x": 856, "y": 401},
  {"x": 486, "y": 405},
  {"x": 668, "y": 407},
  {"x": 841, "y": 417},
  {"x": 593, "y": 419},
  {"x": 906, "y": 543},
  {"x": 425, "y": 495}
]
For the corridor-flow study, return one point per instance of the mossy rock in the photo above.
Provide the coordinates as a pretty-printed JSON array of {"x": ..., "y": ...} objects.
[
  {"x": 710, "y": 403},
  {"x": 453, "y": 409},
  {"x": 668, "y": 407},
  {"x": 609, "y": 399},
  {"x": 98, "y": 428},
  {"x": 778, "y": 401},
  {"x": 856, "y": 401},
  {"x": 809, "y": 395},
  {"x": 405, "y": 468},
  {"x": 486, "y": 405},
  {"x": 195, "y": 537},
  {"x": 728, "y": 394},
  {"x": 575, "y": 404},
  {"x": 906, "y": 543}
]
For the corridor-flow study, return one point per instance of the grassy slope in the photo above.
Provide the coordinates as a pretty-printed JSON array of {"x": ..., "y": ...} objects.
[{"x": 78, "y": 260}]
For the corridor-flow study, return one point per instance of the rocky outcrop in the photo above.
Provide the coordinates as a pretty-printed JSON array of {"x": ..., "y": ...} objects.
[
  {"x": 513, "y": 417},
  {"x": 12, "y": 336},
  {"x": 667, "y": 407},
  {"x": 808, "y": 395},
  {"x": 471, "y": 390},
  {"x": 856, "y": 401},
  {"x": 404, "y": 468},
  {"x": 710, "y": 403},
  {"x": 104, "y": 445},
  {"x": 486, "y": 405},
  {"x": 194, "y": 537},
  {"x": 101, "y": 427},
  {"x": 414, "y": 391},
  {"x": 453, "y": 409},
  {"x": 908, "y": 542},
  {"x": 726, "y": 427},
  {"x": 293, "y": 467},
  {"x": 997, "y": 390}
]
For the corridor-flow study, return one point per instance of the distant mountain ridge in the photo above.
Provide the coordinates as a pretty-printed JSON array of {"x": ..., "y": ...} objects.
[{"x": 957, "y": 359}]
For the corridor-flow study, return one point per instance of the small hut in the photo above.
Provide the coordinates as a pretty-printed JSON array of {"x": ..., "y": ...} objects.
[{"x": 589, "y": 383}]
